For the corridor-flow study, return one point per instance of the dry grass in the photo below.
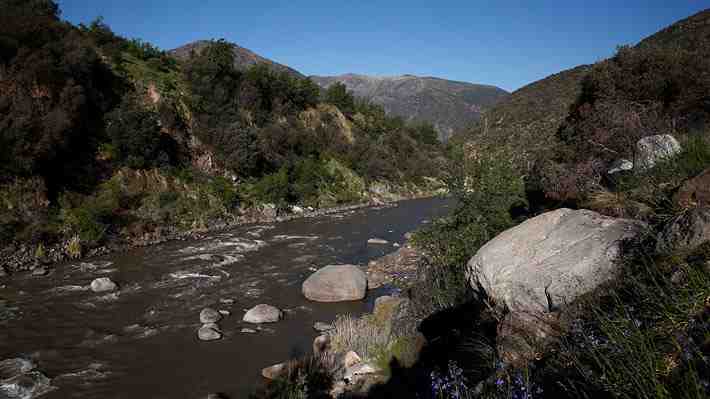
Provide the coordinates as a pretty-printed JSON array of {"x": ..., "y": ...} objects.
[
  {"x": 362, "y": 335},
  {"x": 617, "y": 204}
]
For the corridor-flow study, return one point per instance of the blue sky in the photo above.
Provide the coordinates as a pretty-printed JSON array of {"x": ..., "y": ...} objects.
[{"x": 504, "y": 43}]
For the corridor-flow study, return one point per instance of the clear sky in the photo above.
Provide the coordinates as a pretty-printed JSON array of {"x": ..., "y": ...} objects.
[{"x": 500, "y": 42}]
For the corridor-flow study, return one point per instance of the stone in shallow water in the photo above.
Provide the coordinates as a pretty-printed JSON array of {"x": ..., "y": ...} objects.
[
  {"x": 335, "y": 283},
  {"x": 377, "y": 241},
  {"x": 207, "y": 333},
  {"x": 273, "y": 372},
  {"x": 103, "y": 284},
  {"x": 263, "y": 313},
  {"x": 323, "y": 327},
  {"x": 248, "y": 331},
  {"x": 209, "y": 315},
  {"x": 12, "y": 367},
  {"x": 40, "y": 271}
]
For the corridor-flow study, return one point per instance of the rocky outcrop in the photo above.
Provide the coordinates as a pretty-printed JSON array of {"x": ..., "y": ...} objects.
[
  {"x": 653, "y": 149},
  {"x": 263, "y": 313},
  {"x": 695, "y": 192},
  {"x": 336, "y": 283},
  {"x": 548, "y": 261},
  {"x": 686, "y": 232}
]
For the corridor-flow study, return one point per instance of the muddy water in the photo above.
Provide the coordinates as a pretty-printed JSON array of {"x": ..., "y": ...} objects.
[{"x": 141, "y": 342}]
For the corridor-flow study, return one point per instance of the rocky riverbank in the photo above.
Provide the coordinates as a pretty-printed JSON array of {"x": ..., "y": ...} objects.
[{"x": 19, "y": 257}]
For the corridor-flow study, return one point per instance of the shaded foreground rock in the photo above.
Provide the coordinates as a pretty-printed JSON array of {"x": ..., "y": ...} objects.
[
  {"x": 686, "y": 232},
  {"x": 263, "y": 313},
  {"x": 103, "y": 284},
  {"x": 336, "y": 283},
  {"x": 695, "y": 192}
]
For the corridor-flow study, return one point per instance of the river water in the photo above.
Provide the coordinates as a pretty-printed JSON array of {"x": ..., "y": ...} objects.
[{"x": 141, "y": 341}]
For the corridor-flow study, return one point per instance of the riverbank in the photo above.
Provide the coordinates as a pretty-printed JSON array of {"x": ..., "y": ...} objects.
[{"x": 19, "y": 257}]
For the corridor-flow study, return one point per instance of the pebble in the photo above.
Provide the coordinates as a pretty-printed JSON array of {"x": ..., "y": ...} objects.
[
  {"x": 209, "y": 315},
  {"x": 103, "y": 284},
  {"x": 248, "y": 331},
  {"x": 40, "y": 271},
  {"x": 207, "y": 333},
  {"x": 226, "y": 301},
  {"x": 377, "y": 241},
  {"x": 224, "y": 312},
  {"x": 323, "y": 327}
]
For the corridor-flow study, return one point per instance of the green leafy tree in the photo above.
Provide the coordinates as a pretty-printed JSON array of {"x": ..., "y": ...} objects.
[{"x": 338, "y": 95}]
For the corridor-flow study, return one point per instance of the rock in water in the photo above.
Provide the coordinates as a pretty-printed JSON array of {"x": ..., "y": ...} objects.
[
  {"x": 263, "y": 314},
  {"x": 377, "y": 241},
  {"x": 336, "y": 283},
  {"x": 273, "y": 372},
  {"x": 20, "y": 380},
  {"x": 208, "y": 333},
  {"x": 550, "y": 260},
  {"x": 103, "y": 284},
  {"x": 653, "y": 149},
  {"x": 322, "y": 327},
  {"x": 209, "y": 315}
]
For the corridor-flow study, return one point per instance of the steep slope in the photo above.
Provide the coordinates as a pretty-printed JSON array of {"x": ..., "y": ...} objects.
[
  {"x": 448, "y": 105},
  {"x": 689, "y": 33},
  {"x": 529, "y": 119},
  {"x": 243, "y": 57}
]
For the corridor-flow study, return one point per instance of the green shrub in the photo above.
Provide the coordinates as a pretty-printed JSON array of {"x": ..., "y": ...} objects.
[
  {"x": 273, "y": 188},
  {"x": 486, "y": 186}
]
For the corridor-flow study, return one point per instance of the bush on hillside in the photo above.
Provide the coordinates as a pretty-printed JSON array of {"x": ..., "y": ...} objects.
[{"x": 136, "y": 137}]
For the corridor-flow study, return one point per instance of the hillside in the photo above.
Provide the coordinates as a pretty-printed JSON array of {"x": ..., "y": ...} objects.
[
  {"x": 449, "y": 105},
  {"x": 529, "y": 118},
  {"x": 243, "y": 57},
  {"x": 688, "y": 33}
]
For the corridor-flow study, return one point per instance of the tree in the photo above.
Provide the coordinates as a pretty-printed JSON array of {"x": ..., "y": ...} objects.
[
  {"x": 135, "y": 135},
  {"x": 338, "y": 95}
]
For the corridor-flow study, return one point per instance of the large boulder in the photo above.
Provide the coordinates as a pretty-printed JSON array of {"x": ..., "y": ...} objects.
[
  {"x": 652, "y": 149},
  {"x": 263, "y": 314},
  {"x": 686, "y": 232},
  {"x": 336, "y": 283},
  {"x": 695, "y": 192},
  {"x": 550, "y": 260}
]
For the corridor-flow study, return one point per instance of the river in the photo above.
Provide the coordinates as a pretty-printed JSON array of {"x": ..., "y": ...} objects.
[{"x": 141, "y": 342}]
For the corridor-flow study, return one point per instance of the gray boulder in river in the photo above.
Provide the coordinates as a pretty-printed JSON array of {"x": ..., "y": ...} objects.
[
  {"x": 20, "y": 380},
  {"x": 263, "y": 313},
  {"x": 103, "y": 284},
  {"x": 550, "y": 260},
  {"x": 336, "y": 283}
]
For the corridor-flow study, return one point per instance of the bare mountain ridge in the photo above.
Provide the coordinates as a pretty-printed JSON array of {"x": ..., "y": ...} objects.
[{"x": 448, "y": 105}]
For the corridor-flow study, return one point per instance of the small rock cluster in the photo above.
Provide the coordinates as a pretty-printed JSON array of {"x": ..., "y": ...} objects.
[{"x": 210, "y": 329}]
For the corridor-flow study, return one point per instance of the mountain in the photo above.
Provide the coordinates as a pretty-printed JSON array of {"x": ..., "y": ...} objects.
[
  {"x": 243, "y": 57},
  {"x": 448, "y": 105}
]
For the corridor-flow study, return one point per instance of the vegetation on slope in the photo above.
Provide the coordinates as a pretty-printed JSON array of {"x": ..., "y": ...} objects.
[
  {"x": 107, "y": 138},
  {"x": 644, "y": 335}
]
